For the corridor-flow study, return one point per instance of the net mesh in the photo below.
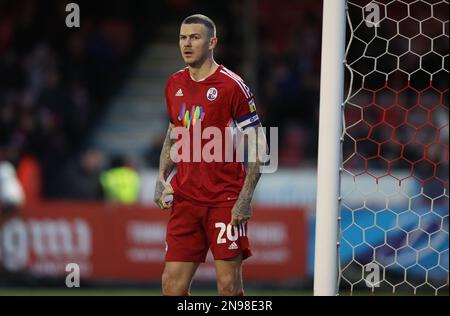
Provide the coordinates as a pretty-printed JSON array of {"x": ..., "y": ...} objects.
[{"x": 394, "y": 205}]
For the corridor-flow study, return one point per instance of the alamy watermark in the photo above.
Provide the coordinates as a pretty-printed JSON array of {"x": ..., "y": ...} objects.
[
  {"x": 372, "y": 15},
  {"x": 73, "y": 18},
  {"x": 214, "y": 144},
  {"x": 73, "y": 277},
  {"x": 372, "y": 275}
]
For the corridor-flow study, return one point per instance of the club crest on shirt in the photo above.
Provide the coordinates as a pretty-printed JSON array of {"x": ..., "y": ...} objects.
[{"x": 212, "y": 93}]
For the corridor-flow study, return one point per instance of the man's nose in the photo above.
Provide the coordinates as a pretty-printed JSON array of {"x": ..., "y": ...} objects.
[{"x": 187, "y": 42}]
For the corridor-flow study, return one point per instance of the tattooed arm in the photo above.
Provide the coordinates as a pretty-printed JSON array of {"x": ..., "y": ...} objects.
[
  {"x": 166, "y": 165},
  {"x": 242, "y": 210}
]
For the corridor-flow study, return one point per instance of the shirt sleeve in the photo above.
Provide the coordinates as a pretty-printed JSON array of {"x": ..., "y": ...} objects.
[{"x": 243, "y": 107}]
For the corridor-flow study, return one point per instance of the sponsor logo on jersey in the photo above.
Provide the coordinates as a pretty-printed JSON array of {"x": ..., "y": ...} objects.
[{"x": 179, "y": 93}]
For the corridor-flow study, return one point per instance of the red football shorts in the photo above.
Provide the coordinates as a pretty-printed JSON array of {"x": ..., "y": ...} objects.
[{"x": 193, "y": 230}]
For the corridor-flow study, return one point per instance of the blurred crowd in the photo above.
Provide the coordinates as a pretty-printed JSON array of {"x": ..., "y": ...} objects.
[
  {"x": 55, "y": 81},
  {"x": 289, "y": 50}
]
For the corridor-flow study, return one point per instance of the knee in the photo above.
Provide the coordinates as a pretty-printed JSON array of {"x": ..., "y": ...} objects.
[
  {"x": 229, "y": 285},
  {"x": 172, "y": 286}
]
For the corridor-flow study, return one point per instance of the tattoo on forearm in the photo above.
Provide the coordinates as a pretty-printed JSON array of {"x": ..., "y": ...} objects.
[
  {"x": 243, "y": 204},
  {"x": 159, "y": 188},
  {"x": 166, "y": 164}
]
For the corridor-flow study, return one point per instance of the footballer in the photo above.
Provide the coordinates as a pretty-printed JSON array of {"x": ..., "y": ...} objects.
[{"x": 211, "y": 200}]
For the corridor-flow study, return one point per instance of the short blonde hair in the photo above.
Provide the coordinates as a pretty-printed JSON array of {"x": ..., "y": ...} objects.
[{"x": 202, "y": 19}]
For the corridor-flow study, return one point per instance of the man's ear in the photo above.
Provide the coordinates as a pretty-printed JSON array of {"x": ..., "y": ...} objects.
[{"x": 213, "y": 42}]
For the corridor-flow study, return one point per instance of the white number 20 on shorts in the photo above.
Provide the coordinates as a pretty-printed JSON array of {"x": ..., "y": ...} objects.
[{"x": 233, "y": 232}]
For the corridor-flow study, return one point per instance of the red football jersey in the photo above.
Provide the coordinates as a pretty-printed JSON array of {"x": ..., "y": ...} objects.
[{"x": 221, "y": 100}]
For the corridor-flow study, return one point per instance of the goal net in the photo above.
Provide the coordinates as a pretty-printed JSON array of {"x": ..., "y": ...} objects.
[{"x": 393, "y": 234}]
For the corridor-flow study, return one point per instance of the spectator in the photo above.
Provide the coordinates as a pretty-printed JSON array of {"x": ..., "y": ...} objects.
[
  {"x": 121, "y": 182},
  {"x": 11, "y": 192},
  {"x": 82, "y": 177},
  {"x": 30, "y": 176}
]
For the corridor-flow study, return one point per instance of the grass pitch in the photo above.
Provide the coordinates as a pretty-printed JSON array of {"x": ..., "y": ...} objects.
[{"x": 132, "y": 292}]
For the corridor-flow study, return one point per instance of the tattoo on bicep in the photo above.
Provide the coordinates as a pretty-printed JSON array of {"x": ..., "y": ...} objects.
[{"x": 253, "y": 168}]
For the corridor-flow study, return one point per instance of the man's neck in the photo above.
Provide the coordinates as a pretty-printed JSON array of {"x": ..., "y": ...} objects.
[{"x": 203, "y": 71}]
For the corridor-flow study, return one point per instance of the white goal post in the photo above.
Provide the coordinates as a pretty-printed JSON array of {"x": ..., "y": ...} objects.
[{"x": 329, "y": 157}]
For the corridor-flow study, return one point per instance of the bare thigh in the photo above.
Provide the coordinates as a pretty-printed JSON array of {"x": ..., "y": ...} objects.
[{"x": 229, "y": 276}]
